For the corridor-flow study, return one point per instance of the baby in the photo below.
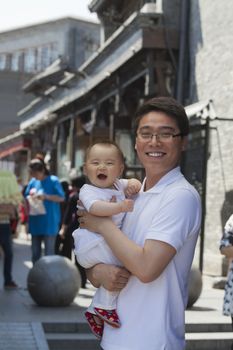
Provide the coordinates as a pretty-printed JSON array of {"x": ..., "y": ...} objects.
[{"x": 105, "y": 196}]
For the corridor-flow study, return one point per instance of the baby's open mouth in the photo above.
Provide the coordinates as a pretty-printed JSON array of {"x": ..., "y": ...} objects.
[{"x": 102, "y": 176}]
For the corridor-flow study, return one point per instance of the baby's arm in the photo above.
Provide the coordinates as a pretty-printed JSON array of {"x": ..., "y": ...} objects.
[
  {"x": 102, "y": 208},
  {"x": 133, "y": 187}
]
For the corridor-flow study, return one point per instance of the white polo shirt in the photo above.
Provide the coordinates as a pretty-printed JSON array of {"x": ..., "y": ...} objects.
[{"x": 152, "y": 314}]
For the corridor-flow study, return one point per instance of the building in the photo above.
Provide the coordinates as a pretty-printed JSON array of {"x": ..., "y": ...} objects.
[
  {"x": 25, "y": 52},
  {"x": 211, "y": 73},
  {"x": 133, "y": 62},
  {"x": 178, "y": 48}
]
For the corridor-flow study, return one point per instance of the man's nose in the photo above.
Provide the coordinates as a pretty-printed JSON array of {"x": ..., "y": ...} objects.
[{"x": 155, "y": 139}]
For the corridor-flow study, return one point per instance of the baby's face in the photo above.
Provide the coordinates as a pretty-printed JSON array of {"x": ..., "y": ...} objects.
[{"x": 103, "y": 165}]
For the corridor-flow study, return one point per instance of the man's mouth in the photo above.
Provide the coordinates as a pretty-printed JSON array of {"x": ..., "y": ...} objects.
[{"x": 155, "y": 154}]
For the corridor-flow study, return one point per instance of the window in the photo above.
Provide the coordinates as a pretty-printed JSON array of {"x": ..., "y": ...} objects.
[
  {"x": 2, "y": 61},
  {"x": 45, "y": 56},
  {"x": 91, "y": 46},
  {"x": 54, "y": 52},
  {"x": 30, "y": 60},
  {"x": 15, "y": 61}
]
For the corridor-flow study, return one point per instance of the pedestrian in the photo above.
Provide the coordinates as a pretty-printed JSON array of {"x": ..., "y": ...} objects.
[
  {"x": 70, "y": 223},
  {"x": 157, "y": 241},
  {"x": 226, "y": 248},
  {"x": 24, "y": 212},
  {"x": 59, "y": 244},
  {"x": 66, "y": 188},
  {"x": 44, "y": 193},
  {"x": 10, "y": 198},
  {"x": 104, "y": 165}
]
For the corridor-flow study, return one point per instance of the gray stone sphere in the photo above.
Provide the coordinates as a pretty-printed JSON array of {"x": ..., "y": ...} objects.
[
  {"x": 53, "y": 281},
  {"x": 194, "y": 286}
]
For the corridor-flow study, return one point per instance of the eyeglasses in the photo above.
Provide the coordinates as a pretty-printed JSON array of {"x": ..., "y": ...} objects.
[{"x": 161, "y": 136}]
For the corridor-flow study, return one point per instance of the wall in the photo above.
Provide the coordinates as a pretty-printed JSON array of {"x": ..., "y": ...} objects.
[
  {"x": 12, "y": 99},
  {"x": 211, "y": 47},
  {"x": 74, "y": 39}
]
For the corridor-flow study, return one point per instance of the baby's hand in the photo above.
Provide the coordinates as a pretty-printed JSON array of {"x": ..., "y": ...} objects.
[
  {"x": 133, "y": 187},
  {"x": 127, "y": 205}
]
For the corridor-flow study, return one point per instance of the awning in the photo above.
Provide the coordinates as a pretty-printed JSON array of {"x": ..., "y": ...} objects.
[
  {"x": 201, "y": 109},
  {"x": 50, "y": 76},
  {"x": 13, "y": 144}
]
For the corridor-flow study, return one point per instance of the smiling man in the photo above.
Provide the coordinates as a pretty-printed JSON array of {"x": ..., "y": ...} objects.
[{"x": 157, "y": 241}]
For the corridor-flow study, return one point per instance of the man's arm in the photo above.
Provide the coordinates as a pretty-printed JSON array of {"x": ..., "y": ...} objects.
[{"x": 146, "y": 263}]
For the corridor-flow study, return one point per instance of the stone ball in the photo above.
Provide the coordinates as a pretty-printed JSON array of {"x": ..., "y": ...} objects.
[
  {"x": 53, "y": 281},
  {"x": 194, "y": 286}
]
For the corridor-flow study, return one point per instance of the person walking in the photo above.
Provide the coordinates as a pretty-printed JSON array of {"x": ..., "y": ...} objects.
[
  {"x": 10, "y": 199},
  {"x": 157, "y": 240},
  {"x": 44, "y": 193},
  {"x": 226, "y": 248},
  {"x": 60, "y": 246},
  {"x": 70, "y": 223}
]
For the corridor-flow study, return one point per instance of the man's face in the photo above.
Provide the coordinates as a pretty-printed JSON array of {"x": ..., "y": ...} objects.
[{"x": 158, "y": 155}]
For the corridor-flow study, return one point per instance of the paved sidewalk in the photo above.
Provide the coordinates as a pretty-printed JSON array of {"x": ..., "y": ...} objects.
[
  {"x": 208, "y": 308},
  {"x": 20, "y": 318},
  {"x": 22, "y": 336},
  {"x": 17, "y": 305}
]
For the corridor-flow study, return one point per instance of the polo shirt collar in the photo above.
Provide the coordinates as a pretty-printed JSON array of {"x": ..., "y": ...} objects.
[{"x": 172, "y": 176}]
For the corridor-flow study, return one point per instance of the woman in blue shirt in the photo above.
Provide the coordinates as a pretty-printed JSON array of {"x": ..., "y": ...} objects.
[{"x": 44, "y": 227}]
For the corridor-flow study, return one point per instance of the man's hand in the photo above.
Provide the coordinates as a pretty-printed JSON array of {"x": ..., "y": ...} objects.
[{"x": 111, "y": 277}]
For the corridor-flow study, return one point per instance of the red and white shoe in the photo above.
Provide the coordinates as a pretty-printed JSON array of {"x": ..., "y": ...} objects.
[
  {"x": 95, "y": 323},
  {"x": 108, "y": 316}
]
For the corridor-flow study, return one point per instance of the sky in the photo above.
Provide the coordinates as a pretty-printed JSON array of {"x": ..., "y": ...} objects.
[{"x": 20, "y": 13}]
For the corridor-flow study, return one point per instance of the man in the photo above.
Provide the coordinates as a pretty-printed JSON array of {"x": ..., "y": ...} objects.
[{"x": 157, "y": 241}]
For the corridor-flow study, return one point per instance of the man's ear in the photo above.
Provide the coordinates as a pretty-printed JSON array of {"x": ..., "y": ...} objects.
[{"x": 135, "y": 146}]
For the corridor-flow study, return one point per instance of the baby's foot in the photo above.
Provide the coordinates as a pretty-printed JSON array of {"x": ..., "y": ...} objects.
[
  {"x": 95, "y": 323},
  {"x": 108, "y": 316}
]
